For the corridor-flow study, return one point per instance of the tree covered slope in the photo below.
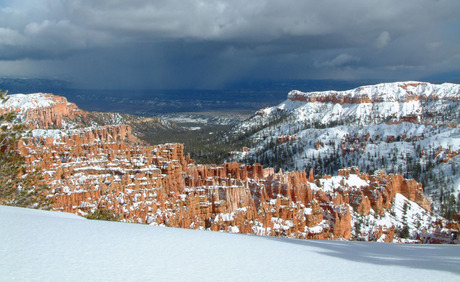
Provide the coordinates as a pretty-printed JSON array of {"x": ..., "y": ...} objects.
[{"x": 402, "y": 127}]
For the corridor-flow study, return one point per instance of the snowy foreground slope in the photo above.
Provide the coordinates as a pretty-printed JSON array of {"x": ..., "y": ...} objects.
[{"x": 50, "y": 246}]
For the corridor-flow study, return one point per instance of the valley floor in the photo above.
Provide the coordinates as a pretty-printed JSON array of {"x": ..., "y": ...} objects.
[{"x": 49, "y": 246}]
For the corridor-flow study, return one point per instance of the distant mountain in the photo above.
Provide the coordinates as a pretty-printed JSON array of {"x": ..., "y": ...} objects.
[
  {"x": 31, "y": 85},
  {"x": 403, "y": 127}
]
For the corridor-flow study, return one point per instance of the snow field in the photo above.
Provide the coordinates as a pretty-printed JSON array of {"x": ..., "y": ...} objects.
[{"x": 51, "y": 246}]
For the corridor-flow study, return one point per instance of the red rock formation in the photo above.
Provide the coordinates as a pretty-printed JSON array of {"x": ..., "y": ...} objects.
[
  {"x": 156, "y": 184},
  {"x": 285, "y": 138},
  {"x": 49, "y": 115},
  {"x": 108, "y": 168}
]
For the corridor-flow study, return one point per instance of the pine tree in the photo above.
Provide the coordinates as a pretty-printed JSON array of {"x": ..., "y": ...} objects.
[{"x": 18, "y": 186}]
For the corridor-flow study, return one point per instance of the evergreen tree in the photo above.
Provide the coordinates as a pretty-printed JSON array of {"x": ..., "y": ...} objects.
[{"x": 18, "y": 187}]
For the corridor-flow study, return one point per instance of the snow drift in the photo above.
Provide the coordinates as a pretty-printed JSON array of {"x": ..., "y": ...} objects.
[{"x": 50, "y": 246}]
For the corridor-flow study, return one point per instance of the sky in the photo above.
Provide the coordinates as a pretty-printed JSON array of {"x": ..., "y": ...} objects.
[{"x": 183, "y": 44}]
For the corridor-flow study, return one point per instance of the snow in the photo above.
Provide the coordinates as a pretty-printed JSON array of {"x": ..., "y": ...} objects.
[
  {"x": 388, "y": 100},
  {"x": 409, "y": 128},
  {"x": 24, "y": 102},
  {"x": 53, "y": 246},
  {"x": 403, "y": 212},
  {"x": 391, "y": 92},
  {"x": 333, "y": 183},
  {"x": 56, "y": 134}
]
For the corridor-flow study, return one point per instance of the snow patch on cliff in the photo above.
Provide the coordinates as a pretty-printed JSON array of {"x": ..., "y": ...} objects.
[{"x": 25, "y": 102}]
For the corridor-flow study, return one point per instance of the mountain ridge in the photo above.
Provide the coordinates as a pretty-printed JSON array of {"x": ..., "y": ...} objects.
[
  {"x": 384, "y": 92},
  {"x": 410, "y": 128}
]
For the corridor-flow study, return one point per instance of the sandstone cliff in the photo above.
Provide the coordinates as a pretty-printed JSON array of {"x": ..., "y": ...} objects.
[{"x": 42, "y": 110}]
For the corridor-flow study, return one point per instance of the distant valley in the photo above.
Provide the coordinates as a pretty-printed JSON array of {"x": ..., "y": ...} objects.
[{"x": 243, "y": 98}]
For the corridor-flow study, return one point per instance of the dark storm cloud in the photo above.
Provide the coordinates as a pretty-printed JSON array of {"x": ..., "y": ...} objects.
[{"x": 174, "y": 43}]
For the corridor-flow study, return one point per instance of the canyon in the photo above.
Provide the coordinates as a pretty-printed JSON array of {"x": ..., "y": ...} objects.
[{"x": 88, "y": 166}]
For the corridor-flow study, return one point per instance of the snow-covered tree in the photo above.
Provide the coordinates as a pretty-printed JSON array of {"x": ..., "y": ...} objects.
[{"x": 18, "y": 186}]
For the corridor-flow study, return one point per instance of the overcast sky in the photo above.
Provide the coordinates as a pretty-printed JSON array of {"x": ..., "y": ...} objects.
[{"x": 210, "y": 44}]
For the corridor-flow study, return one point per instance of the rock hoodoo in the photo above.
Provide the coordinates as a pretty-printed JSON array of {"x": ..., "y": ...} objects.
[{"x": 90, "y": 168}]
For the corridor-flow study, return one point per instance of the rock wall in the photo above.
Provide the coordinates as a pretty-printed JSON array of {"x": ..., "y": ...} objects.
[
  {"x": 53, "y": 116},
  {"x": 43, "y": 110},
  {"x": 385, "y": 92}
]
